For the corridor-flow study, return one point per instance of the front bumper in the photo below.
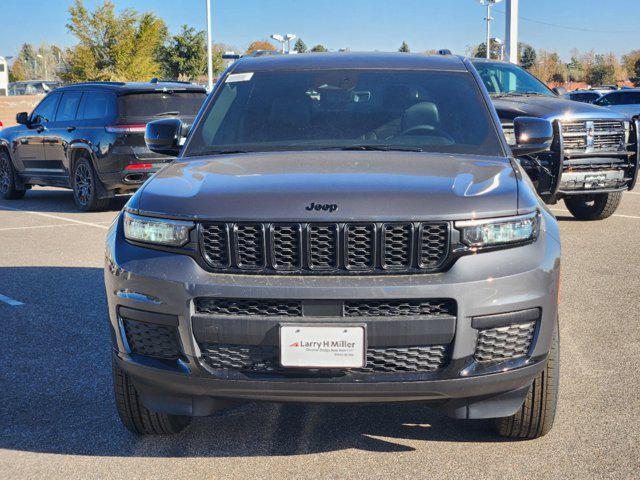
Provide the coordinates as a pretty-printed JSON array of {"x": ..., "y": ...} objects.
[{"x": 165, "y": 284}]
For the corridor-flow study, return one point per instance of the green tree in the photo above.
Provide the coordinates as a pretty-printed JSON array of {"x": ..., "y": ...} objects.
[
  {"x": 122, "y": 47},
  {"x": 481, "y": 50},
  {"x": 404, "y": 48},
  {"x": 319, "y": 48},
  {"x": 184, "y": 56},
  {"x": 575, "y": 70},
  {"x": 527, "y": 55},
  {"x": 601, "y": 73},
  {"x": 300, "y": 46},
  {"x": 635, "y": 74}
]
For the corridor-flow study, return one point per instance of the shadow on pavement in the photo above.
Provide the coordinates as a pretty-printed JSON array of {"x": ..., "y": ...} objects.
[
  {"x": 57, "y": 395},
  {"x": 55, "y": 200}
]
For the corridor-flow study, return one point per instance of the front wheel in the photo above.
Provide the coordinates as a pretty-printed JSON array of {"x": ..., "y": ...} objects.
[
  {"x": 8, "y": 189},
  {"x": 135, "y": 416},
  {"x": 84, "y": 183},
  {"x": 597, "y": 206},
  {"x": 535, "y": 417}
]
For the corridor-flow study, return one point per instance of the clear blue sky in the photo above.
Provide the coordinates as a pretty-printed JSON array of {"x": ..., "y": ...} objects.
[{"x": 608, "y": 26}]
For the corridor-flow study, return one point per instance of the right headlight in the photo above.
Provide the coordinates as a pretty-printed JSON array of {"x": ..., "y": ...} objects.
[
  {"x": 158, "y": 231},
  {"x": 496, "y": 232}
]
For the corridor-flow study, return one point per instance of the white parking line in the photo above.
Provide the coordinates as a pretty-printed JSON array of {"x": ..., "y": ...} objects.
[
  {"x": 614, "y": 215},
  {"x": 57, "y": 217},
  {"x": 10, "y": 301}
]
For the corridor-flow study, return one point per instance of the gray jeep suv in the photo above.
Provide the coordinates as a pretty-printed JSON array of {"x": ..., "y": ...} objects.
[{"x": 343, "y": 228}]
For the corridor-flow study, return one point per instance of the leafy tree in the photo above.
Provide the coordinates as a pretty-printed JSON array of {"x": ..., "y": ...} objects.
[
  {"x": 185, "y": 54},
  {"x": 575, "y": 70},
  {"x": 260, "y": 45},
  {"x": 300, "y": 46},
  {"x": 113, "y": 47},
  {"x": 629, "y": 61},
  {"x": 527, "y": 55},
  {"x": 29, "y": 66},
  {"x": 319, "y": 48},
  {"x": 404, "y": 48},
  {"x": 601, "y": 73},
  {"x": 481, "y": 50},
  {"x": 636, "y": 73},
  {"x": 549, "y": 67}
]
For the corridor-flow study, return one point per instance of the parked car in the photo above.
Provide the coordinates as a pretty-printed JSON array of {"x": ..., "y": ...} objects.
[
  {"x": 338, "y": 228},
  {"x": 626, "y": 102},
  {"x": 594, "y": 156},
  {"x": 32, "y": 87},
  {"x": 585, "y": 96},
  {"x": 90, "y": 137}
]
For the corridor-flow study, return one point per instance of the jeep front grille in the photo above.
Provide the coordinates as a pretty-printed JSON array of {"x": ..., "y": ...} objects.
[
  {"x": 593, "y": 136},
  {"x": 265, "y": 358},
  {"x": 334, "y": 248}
]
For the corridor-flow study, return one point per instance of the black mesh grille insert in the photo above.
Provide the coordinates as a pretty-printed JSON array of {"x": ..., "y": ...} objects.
[
  {"x": 215, "y": 239},
  {"x": 325, "y": 248},
  {"x": 360, "y": 247},
  {"x": 287, "y": 247},
  {"x": 158, "y": 341},
  {"x": 397, "y": 245},
  {"x": 250, "y": 245},
  {"x": 397, "y": 308},
  {"x": 265, "y": 359},
  {"x": 232, "y": 306},
  {"x": 504, "y": 343},
  {"x": 434, "y": 244}
]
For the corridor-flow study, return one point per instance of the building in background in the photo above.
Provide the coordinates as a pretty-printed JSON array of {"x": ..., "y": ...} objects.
[{"x": 4, "y": 77}]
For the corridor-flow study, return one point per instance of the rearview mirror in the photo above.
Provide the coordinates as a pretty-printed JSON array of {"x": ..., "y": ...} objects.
[
  {"x": 163, "y": 136},
  {"x": 532, "y": 135},
  {"x": 22, "y": 118},
  {"x": 559, "y": 90}
]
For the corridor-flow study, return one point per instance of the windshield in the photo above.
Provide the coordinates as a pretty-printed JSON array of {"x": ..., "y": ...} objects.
[
  {"x": 140, "y": 106},
  {"x": 508, "y": 79},
  {"x": 347, "y": 109}
]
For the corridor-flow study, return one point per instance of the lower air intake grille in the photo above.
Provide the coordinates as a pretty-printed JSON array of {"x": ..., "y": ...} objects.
[
  {"x": 158, "y": 341},
  {"x": 265, "y": 359},
  {"x": 399, "y": 308},
  {"x": 504, "y": 343},
  {"x": 235, "y": 306}
]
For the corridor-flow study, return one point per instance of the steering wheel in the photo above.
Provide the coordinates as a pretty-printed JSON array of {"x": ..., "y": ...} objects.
[{"x": 427, "y": 130}]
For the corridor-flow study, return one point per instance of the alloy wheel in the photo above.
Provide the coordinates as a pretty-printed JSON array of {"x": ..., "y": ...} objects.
[
  {"x": 5, "y": 175},
  {"x": 83, "y": 182}
]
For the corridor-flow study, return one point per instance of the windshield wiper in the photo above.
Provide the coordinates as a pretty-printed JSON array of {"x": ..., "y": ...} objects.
[
  {"x": 381, "y": 148},
  {"x": 166, "y": 114}
]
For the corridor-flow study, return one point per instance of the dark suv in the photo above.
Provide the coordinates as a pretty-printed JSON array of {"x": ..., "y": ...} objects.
[
  {"x": 90, "y": 137},
  {"x": 343, "y": 228}
]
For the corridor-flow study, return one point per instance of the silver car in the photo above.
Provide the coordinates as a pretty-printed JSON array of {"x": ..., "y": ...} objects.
[{"x": 626, "y": 102}]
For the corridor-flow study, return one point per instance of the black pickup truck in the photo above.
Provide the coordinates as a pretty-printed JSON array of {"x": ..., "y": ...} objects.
[{"x": 594, "y": 156}]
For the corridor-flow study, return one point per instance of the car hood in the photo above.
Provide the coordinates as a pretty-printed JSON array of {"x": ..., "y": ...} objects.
[
  {"x": 363, "y": 186},
  {"x": 550, "y": 108}
]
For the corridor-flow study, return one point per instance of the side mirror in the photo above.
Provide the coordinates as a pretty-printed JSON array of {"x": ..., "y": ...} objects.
[
  {"x": 559, "y": 90},
  {"x": 22, "y": 118},
  {"x": 532, "y": 135},
  {"x": 163, "y": 136}
]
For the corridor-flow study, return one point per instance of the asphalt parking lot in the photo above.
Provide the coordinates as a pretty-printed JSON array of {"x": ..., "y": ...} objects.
[{"x": 58, "y": 420}]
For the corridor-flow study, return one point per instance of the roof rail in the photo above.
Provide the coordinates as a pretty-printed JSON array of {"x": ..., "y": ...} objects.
[
  {"x": 444, "y": 51},
  {"x": 100, "y": 82}
]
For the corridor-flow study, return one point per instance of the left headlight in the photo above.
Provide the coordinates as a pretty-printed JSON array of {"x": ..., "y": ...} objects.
[
  {"x": 159, "y": 231},
  {"x": 499, "y": 231}
]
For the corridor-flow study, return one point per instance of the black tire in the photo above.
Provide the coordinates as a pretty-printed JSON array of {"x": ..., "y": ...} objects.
[
  {"x": 8, "y": 189},
  {"x": 538, "y": 411},
  {"x": 135, "y": 416},
  {"x": 84, "y": 184},
  {"x": 597, "y": 206}
]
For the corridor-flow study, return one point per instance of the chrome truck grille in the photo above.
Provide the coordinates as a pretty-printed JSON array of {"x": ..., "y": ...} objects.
[
  {"x": 593, "y": 136},
  {"x": 325, "y": 248}
]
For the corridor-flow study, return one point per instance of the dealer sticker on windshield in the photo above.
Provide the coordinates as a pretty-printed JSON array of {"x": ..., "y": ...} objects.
[
  {"x": 239, "y": 77},
  {"x": 322, "y": 346}
]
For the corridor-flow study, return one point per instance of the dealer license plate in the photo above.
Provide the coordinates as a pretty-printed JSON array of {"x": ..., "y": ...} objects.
[{"x": 322, "y": 346}]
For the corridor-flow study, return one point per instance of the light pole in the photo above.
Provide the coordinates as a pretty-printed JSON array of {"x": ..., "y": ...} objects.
[
  {"x": 288, "y": 37},
  {"x": 279, "y": 38},
  {"x": 489, "y": 4},
  {"x": 209, "y": 48}
]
